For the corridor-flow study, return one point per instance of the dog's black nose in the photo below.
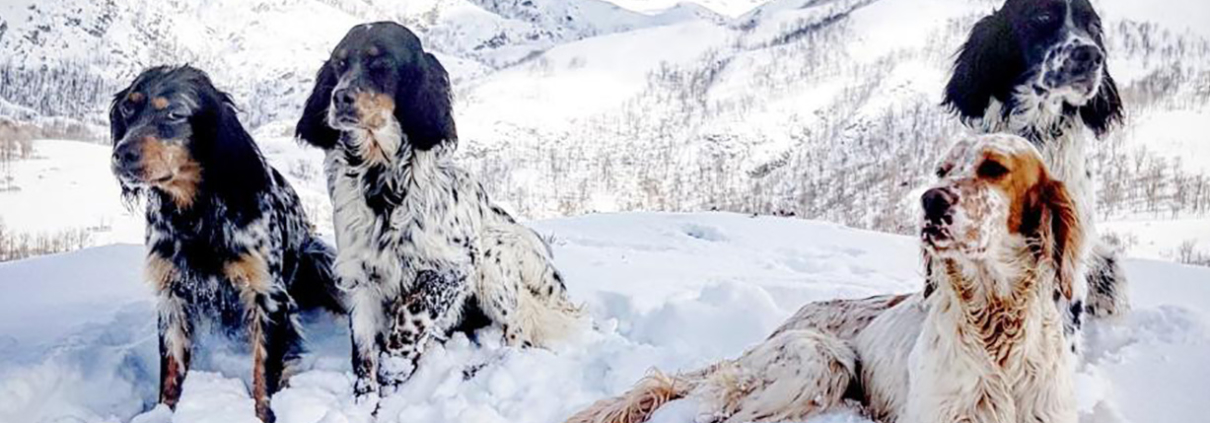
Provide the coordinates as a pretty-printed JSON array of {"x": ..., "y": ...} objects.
[
  {"x": 342, "y": 99},
  {"x": 126, "y": 156},
  {"x": 1083, "y": 60},
  {"x": 937, "y": 203}
]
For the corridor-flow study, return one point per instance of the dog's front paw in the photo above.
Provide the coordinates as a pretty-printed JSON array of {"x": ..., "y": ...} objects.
[
  {"x": 393, "y": 371},
  {"x": 364, "y": 388},
  {"x": 265, "y": 413}
]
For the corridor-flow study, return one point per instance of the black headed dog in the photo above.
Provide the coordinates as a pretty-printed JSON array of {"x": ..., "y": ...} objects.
[
  {"x": 1037, "y": 68},
  {"x": 228, "y": 242},
  {"x": 422, "y": 247}
]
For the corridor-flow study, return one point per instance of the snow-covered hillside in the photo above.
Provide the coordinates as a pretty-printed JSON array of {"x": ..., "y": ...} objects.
[
  {"x": 822, "y": 109},
  {"x": 66, "y": 57},
  {"x": 669, "y": 290}
]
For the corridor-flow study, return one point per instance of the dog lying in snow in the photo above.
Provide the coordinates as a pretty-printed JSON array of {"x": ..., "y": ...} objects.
[{"x": 983, "y": 342}]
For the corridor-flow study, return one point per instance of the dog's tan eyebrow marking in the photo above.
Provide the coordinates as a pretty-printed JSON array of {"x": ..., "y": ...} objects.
[
  {"x": 373, "y": 51},
  {"x": 160, "y": 103},
  {"x": 135, "y": 97},
  {"x": 342, "y": 53}
]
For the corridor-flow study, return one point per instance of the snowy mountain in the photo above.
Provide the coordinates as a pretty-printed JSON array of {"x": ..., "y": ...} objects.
[
  {"x": 675, "y": 291},
  {"x": 65, "y": 58},
  {"x": 820, "y": 109},
  {"x": 779, "y": 107}
]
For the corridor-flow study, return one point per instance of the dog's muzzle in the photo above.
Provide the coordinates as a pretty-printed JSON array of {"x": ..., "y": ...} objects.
[
  {"x": 127, "y": 161},
  {"x": 938, "y": 204},
  {"x": 344, "y": 108},
  {"x": 1080, "y": 69}
]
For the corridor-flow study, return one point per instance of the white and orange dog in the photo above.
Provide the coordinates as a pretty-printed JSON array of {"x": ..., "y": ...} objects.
[{"x": 983, "y": 342}]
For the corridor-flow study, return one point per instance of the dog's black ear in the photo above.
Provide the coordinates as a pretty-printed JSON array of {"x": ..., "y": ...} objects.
[
  {"x": 237, "y": 150},
  {"x": 117, "y": 124},
  {"x": 313, "y": 126},
  {"x": 232, "y": 165},
  {"x": 987, "y": 66},
  {"x": 1104, "y": 111},
  {"x": 425, "y": 112}
]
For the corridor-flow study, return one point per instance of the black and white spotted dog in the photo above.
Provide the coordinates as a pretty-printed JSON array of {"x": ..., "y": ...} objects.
[
  {"x": 422, "y": 249},
  {"x": 228, "y": 243},
  {"x": 1037, "y": 68}
]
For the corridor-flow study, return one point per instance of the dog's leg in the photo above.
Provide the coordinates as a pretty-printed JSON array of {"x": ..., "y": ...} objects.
[
  {"x": 1107, "y": 283},
  {"x": 174, "y": 328},
  {"x": 418, "y": 317},
  {"x": 365, "y": 328},
  {"x": 497, "y": 292},
  {"x": 258, "y": 291},
  {"x": 520, "y": 290},
  {"x": 795, "y": 375},
  {"x": 175, "y": 343},
  {"x": 283, "y": 341}
]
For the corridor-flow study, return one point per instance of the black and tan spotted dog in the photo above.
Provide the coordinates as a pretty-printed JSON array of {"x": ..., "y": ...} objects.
[{"x": 228, "y": 243}]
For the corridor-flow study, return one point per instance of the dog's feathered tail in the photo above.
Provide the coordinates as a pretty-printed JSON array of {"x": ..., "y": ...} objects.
[
  {"x": 315, "y": 285},
  {"x": 639, "y": 403}
]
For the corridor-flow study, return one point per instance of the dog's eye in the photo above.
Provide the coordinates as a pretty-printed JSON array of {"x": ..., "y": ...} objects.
[
  {"x": 991, "y": 170},
  {"x": 1044, "y": 18},
  {"x": 942, "y": 171},
  {"x": 380, "y": 64}
]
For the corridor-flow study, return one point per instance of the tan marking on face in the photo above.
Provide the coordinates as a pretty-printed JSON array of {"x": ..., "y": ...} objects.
[
  {"x": 159, "y": 272},
  {"x": 342, "y": 54},
  {"x": 373, "y": 51},
  {"x": 136, "y": 97},
  {"x": 373, "y": 109},
  {"x": 159, "y": 103},
  {"x": 249, "y": 273},
  {"x": 170, "y": 167},
  {"x": 1025, "y": 172}
]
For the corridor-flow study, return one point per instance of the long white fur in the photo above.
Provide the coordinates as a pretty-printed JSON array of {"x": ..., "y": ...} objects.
[
  {"x": 920, "y": 359},
  {"x": 1064, "y": 143},
  {"x": 446, "y": 223}
]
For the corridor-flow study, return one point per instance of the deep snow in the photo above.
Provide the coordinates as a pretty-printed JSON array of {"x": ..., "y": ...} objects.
[{"x": 673, "y": 291}]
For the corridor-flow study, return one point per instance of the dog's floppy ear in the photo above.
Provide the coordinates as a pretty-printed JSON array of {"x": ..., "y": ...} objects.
[
  {"x": 425, "y": 112},
  {"x": 1105, "y": 110},
  {"x": 986, "y": 66},
  {"x": 117, "y": 124},
  {"x": 243, "y": 165},
  {"x": 313, "y": 126},
  {"x": 1067, "y": 234}
]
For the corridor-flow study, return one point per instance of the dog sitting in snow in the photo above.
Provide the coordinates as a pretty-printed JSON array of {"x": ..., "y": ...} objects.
[
  {"x": 1038, "y": 69},
  {"x": 983, "y": 343},
  {"x": 228, "y": 242},
  {"x": 422, "y": 249}
]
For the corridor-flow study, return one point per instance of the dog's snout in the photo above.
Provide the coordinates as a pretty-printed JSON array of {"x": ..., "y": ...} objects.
[
  {"x": 343, "y": 98},
  {"x": 937, "y": 203},
  {"x": 126, "y": 156},
  {"x": 1084, "y": 60}
]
